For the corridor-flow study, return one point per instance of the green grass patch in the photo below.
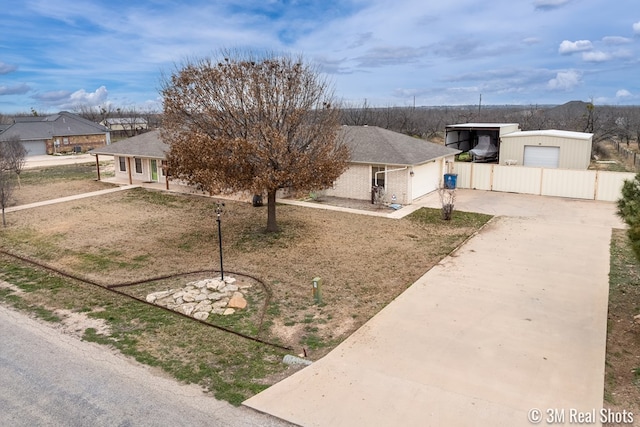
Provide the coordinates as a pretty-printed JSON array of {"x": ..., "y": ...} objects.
[
  {"x": 81, "y": 171},
  {"x": 460, "y": 219}
]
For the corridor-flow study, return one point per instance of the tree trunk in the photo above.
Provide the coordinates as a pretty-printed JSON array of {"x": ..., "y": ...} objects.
[
  {"x": 4, "y": 220},
  {"x": 272, "y": 225}
]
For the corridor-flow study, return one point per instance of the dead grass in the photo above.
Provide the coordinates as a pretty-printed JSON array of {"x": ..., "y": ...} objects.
[
  {"x": 364, "y": 261},
  {"x": 622, "y": 369}
]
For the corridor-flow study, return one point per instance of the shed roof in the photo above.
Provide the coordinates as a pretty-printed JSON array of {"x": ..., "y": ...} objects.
[
  {"x": 482, "y": 125},
  {"x": 552, "y": 133},
  {"x": 148, "y": 144},
  {"x": 374, "y": 145}
]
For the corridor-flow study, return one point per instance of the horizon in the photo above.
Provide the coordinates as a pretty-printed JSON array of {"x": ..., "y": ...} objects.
[{"x": 65, "y": 55}]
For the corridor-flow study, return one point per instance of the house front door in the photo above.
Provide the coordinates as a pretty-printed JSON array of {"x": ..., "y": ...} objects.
[{"x": 154, "y": 170}]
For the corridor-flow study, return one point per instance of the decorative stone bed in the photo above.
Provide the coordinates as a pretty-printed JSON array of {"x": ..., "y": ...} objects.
[{"x": 202, "y": 298}]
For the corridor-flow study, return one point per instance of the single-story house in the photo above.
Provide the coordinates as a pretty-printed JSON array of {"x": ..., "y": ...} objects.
[
  {"x": 406, "y": 167},
  {"x": 56, "y": 133},
  {"x": 139, "y": 159},
  {"x": 547, "y": 149}
]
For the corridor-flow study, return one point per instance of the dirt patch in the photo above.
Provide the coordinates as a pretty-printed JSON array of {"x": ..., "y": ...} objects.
[{"x": 76, "y": 323}]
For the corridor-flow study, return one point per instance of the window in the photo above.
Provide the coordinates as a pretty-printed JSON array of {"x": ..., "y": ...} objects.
[
  {"x": 65, "y": 141},
  {"x": 378, "y": 176},
  {"x": 123, "y": 165},
  {"x": 138, "y": 165}
]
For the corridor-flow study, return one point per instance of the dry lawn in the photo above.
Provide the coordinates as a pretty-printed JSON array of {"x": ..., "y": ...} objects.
[{"x": 365, "y": 262}]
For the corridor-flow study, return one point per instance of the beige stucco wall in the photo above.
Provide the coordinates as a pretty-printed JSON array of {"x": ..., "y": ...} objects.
[{"x": 574, "y": 153}]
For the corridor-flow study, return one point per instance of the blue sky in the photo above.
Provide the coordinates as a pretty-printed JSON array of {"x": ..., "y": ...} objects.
[{"x": 60, "y": 54}]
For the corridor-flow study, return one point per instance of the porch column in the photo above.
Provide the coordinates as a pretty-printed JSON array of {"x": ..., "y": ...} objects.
[
  {"x": 98, "y": 167},
  {"x": 129, "y": 170}
]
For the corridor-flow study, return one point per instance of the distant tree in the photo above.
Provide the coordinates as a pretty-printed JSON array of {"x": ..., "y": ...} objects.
[
  {"x": 12, "y": 158},
  {"x": 244, "y": 122}
]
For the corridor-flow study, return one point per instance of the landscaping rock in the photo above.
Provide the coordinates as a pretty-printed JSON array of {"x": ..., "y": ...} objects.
[{"x": 196, "y": 298}]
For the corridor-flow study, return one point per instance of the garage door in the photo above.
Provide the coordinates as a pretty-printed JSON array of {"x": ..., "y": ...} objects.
[
  {"x": 542, "y": 157},
  {"x": 35, "y": 148},
  {"x": 426, "y": 179}
]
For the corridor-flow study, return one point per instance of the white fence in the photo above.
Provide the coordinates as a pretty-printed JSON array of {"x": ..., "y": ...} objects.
[{"x": 579, "y": 184}]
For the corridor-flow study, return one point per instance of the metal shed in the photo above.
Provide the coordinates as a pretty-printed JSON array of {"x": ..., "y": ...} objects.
[
  {"x": 468, "y": 136},
  {"x": 547, "y": 148}
]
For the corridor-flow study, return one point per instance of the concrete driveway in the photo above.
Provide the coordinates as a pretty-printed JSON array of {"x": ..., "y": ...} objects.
[{"x": 512, "y": 322}]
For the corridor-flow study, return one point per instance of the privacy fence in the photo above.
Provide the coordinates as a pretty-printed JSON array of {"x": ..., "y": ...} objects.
[{"x": 579, "y": 184}]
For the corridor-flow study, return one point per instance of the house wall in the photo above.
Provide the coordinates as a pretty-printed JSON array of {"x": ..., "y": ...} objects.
[
  {"x": 580, "y": 184},
  {"x": 354, "y": 183},
  {"x": 428, "y": 176},
  {"x": 574, "y": 153},
  {"x": 145, "y": 176},
  {"x": 67, "y": 143}
]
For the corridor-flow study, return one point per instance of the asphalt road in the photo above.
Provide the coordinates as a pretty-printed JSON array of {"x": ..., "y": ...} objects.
[{"x": 48, "y": 378}]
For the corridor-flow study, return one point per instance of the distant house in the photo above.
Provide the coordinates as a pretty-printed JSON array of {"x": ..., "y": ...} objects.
[
  {"x": 405, "y": 167},
  {"x": 56, "y": 133},
  {"x": 138, "y": 159},
  {"x": 126, "y": 126}
]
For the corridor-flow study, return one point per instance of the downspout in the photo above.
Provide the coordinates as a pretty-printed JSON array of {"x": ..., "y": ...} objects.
[{"x": 375, "y": 178}]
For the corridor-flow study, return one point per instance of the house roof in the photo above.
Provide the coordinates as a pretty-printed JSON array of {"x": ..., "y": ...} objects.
[
  {"x": 124, "y": 120},
  {"x": 550, "y": 132},
  {"x": 374, "y": 145},
  {"x": 148, "y": 144},
  {"x": 56, "y": 125}
]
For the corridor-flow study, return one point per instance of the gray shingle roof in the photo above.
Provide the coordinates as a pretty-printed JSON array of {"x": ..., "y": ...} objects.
[
  {"x": 31, "y": 128},
  {"x": 374, "y": 145},
  {"x": 144, "y": 145}
]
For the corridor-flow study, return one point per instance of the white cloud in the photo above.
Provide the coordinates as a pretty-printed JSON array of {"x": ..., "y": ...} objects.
[
  {"x": 81, "y": 97},
  {"x": 567, "y": 47},
  {"x": 596, "y": 56},
  {"x": 565, "y": 80},
  {"x": 623, "y": 93},
  {"x": 7, "y": 68},
  {"x": 531, "y": 40},
  {"x": 636, "y": 28},
  {"x": 18, "y": 89}
]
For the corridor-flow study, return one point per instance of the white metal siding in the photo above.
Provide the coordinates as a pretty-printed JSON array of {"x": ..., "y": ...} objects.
[
  {"x": 545, "y": 157},
  {"x": 598, "y": 185},
  {"x": 569, "y": 183},
  {"x": 517, "y": 179}
]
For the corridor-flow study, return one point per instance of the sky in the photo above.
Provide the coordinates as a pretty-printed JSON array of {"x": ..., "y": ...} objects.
[{"x": 67, "y": 54}]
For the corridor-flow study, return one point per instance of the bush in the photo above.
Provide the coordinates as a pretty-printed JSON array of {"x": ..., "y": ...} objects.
[{"x": 629, "y": 211}]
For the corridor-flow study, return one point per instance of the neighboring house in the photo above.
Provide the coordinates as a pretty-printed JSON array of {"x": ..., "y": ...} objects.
[
  {"x": 547, "y": 149},
  {"x": 140, "y": 158},
  {"x": 126, "y": 126},
  {"x": 56, "y": 133},
  {"x": 406, "y": 167}
]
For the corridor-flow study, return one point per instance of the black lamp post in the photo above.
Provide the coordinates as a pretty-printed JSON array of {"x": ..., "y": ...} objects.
[{"x": 219, "y": 207}]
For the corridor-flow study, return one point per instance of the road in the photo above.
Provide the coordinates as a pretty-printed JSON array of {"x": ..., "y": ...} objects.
[{"x": 48, "y": 378}]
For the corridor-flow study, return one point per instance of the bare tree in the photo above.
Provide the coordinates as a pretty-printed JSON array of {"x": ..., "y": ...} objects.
[
  {"x": 244, "y": 122},
  {"x": 12, "y": 157}
]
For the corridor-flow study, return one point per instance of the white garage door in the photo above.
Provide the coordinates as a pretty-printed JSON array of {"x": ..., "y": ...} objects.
[
  {"x": 542, "y": 157},
  {"x": 35, "y": 148},
  {"x": 426, "y": 179}
]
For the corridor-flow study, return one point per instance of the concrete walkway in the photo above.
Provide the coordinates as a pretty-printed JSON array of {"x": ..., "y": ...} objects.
[
  {"x": 513, "y": 321},
  {"x": 69, "y": 198}
]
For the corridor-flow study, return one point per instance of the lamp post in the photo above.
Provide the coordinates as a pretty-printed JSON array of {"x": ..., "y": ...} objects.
[{"x": 219, "y": 207}]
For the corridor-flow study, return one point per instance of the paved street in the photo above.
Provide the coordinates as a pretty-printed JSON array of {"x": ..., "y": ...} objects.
[{"x": 51, "y": 379}]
